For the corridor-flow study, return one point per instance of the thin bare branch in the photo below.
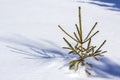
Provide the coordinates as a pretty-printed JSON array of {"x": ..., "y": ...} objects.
[
  {"x": 91, "y": 31},
  {"x": 67, "y": 33},
  {"x": 92, "y": 36},
  {"x": 100, "y": 46}
]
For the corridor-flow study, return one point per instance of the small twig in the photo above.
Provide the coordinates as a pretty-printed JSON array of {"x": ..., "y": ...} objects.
[
  {"x": 91, "y": 31},
  {"x": 67, "y": 33},
  {"x": 100, "y": 46}
]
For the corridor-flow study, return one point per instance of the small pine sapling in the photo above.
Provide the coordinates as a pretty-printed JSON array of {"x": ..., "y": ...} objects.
[{"x": 80, "y": 49}]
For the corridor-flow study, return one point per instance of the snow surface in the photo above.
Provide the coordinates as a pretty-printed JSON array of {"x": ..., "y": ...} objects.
[{"x": 29, "y": 28}]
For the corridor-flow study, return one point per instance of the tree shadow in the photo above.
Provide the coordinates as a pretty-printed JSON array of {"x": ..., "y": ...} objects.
[
  {"x": 46, "y": 50},
  {"x": 106, "y": 68},
  {"x": 42, "y": 49},
  {"x": 113, "y": 5}
]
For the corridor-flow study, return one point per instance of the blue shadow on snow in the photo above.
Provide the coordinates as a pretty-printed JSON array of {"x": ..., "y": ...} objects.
[
  {"x": 109, "y": 67},
  {"x": 113, "y": 5},
  {"x": 105, "y": 67}
]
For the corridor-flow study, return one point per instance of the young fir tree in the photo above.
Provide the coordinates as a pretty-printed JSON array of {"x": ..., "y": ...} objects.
[{"x": 80, "y": 49}]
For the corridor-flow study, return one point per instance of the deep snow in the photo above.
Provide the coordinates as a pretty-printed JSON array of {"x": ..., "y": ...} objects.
[{"x": 31, "y": 25}]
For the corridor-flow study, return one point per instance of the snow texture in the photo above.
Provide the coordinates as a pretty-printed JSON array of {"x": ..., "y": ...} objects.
[{"x": 30, "y": 41}]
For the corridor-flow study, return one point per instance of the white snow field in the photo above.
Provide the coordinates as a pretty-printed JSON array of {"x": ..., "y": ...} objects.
[{"x": 30, "y": 40}]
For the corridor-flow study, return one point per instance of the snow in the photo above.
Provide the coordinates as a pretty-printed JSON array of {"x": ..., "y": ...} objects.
[{"x": 31, "y": 25}]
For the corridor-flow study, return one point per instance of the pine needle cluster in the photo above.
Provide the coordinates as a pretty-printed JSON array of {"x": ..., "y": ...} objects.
[{"x": 79, "y": 49}]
